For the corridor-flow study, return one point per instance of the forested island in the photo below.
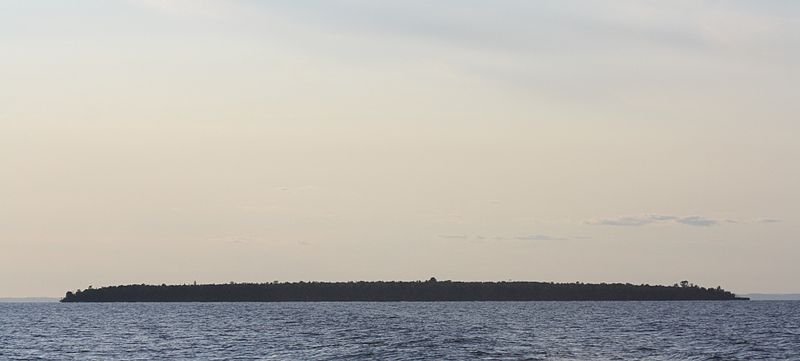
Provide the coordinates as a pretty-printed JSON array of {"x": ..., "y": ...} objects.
[{"x": 431, "y": 290}]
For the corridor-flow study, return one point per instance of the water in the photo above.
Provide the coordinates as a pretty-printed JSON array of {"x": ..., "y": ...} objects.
[{"x": 403, "y": 331}]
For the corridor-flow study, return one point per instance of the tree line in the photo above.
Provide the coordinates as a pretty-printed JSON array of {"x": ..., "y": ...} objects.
[{"x": 431, "y": 290}]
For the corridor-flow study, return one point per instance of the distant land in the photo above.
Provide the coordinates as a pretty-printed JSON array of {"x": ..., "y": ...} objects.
[
  {"x": 27, "y": 299},
  {"x": 773, "y": 296},
  {"x": 431, "y": 290}
]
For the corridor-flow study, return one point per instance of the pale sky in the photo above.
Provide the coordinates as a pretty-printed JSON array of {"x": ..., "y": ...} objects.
[{"x": 251, "y": 141}]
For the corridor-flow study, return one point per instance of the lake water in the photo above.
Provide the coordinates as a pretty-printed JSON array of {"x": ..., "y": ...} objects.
[{"x": 725, "y": 330}]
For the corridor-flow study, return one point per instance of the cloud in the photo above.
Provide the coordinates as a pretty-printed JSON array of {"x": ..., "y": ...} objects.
[
  {"x": 754, "y": 221},
  {"x": 540, "y": 237},
  {"x": 453, "y": 236},
  {"x": 657, "y": 217},
  {"x": 626, "y": 221},
  {"x": 531, "y": 237},
  {"x": 642, "y": 220},
  {"x": 697, "y": 221}
]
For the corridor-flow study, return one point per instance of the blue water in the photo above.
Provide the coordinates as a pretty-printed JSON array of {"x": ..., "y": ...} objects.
[{"x": 725, "y": 330}]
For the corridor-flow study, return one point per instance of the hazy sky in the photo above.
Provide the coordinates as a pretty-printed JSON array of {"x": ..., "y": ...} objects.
[{"x": 214, "y": 141}]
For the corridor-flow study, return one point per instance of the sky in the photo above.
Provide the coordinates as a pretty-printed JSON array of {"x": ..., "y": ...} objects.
[{"x": 156, "y": 141}]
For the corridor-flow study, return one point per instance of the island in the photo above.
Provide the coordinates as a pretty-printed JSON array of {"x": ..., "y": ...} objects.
[{"x": 385, "y": 291}]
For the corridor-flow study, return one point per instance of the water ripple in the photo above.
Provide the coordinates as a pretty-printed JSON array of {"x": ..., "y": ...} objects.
[{"x": 403, "y": 331}]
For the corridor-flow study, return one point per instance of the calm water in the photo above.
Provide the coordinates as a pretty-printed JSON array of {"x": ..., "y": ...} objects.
[{"x": 403, "y": 331}]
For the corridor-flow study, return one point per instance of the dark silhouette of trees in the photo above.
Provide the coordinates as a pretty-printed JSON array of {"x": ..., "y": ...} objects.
[{"x": 431, "y": 290}]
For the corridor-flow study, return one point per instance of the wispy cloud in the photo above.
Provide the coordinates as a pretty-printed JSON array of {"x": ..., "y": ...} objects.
[
  {"x": 642, "y": 220},
  {"x": 531, "y": 237},
  {"x": 622, "y": 221},
  {"x": 658, "y": 217},
  {"x": 540, "y": 237},
  {"x": 697, "y": 221},
  {"x": 770, "y": 220},
  {"x": 453, "y": 236}
]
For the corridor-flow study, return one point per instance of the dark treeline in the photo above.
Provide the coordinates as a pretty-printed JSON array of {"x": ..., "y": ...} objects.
[{"x": 430, "y": 290}]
